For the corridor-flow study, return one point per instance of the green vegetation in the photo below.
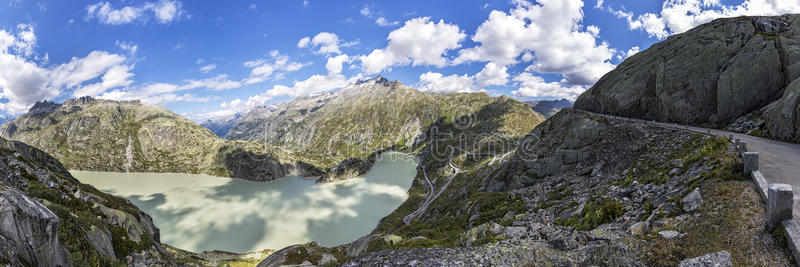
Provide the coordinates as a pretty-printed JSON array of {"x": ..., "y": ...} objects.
[
  {"x": 78, "y": 217},
  {"x": 733, "y": 220},
  {"x": 732, "y": 213},
  {"x": 598, "y": 211},
  {"x": 697, "y": 148}
]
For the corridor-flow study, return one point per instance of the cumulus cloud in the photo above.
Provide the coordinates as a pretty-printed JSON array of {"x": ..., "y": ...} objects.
[
  {"x": 265, "y": 68},
  {"x": 439, "y": 83},
  {"x": 677, "y": 16},
  {"x": 334, "y": 64},
  {"x": 492, "y": 74},
  {"x": 325, "y": 42},
  {"x": 23, "y": 81},
  {"x": 547, "y": 33},
  {"x": 303, "y": 42},
  {"x": 419, "y": 41},
  {"x": 632, "y": 51},
  {"x": 163, "y": 12},
  {"x": 531, "y": 85}
]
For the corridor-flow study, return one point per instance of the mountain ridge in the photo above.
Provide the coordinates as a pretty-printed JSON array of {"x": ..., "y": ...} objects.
[{"x": 105, "y": 135}]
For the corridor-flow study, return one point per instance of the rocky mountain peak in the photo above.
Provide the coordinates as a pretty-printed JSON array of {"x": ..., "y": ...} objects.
[
  {"x": 378, "y": 79},
  {"x": 44, "y": 106},
  {"x": 84, "y": 100}
]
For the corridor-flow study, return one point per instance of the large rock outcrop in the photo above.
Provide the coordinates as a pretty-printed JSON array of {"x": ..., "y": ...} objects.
[
  {"x": 783, "y": 117},
  {"x": 30, "y": 230},
  {"x": 48, "y": 218},
  {"x": 711, "y": 74}
]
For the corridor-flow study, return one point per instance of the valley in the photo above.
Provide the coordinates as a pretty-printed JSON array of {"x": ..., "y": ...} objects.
[{"x": 380, "y": 173}]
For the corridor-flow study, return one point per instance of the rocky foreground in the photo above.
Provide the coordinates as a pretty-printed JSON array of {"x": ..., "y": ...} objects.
[
  {"x": 578, "y": 190},
  {"x": 712, "y": 75},
  {"x": 50, "y": 219}
]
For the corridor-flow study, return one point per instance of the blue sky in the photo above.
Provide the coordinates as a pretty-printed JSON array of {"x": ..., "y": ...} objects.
[{"x": 205, "y": 59}]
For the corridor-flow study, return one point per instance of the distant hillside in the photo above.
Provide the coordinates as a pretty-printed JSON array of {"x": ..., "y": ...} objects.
[
  {"x": 548, "y": 108},
  {"x": 712, "y": 75},
  {"x": 375, "y": 115},
  {"x": 105, "y": 135},
  {"x": 222, "y": 126}
]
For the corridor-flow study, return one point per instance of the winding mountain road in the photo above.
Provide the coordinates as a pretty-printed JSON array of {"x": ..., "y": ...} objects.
[
  {"x": 778, "y": 161},
  {"x": 430, "y": 196}
]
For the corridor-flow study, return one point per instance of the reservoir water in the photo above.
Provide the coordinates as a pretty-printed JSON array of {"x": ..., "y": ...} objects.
[{"x": 198, "y": 212}]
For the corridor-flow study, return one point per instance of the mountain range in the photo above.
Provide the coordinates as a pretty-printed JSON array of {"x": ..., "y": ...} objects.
[
  {"x": 497, "y": 184},
  {"x": 548, "y": 108}
]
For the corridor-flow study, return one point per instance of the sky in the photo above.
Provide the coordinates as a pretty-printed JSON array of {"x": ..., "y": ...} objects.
[{"x": 210, "y": 59}]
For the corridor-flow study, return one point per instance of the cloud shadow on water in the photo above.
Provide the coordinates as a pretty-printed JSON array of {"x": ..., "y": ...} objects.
[{"x": 199, "y": 212}]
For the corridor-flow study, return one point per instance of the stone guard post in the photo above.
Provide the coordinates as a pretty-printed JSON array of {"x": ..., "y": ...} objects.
[{"x": 779, "y": 204}]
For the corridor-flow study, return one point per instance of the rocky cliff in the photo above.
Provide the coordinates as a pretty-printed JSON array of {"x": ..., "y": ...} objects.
[
  {"x": 577, "y": 190},
  {"x": 48, "y": 218},
  {"x": 105, "y": 135},
  {"x": 709, "y": 75},
  {"x": 370, "y": 116}
]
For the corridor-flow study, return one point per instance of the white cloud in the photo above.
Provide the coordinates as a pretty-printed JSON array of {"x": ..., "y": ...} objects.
[
  {"x": 164, "y": 93},
  {"x": 531, "y": 85},
  {"x": 677, "y": 16},
  {"x": 314, "y": 84},
  {"x": 23, "y": 81},
  {"x": 381, "y": 21},
  {"x": 264, "y": 68},
  {"x": 438, "y": 83},
  {"x": 116, "y": 76},
  {"x": 207, "y": 68},
  {"x": 550, "y": 30},
  {"x": 25, "y": 41},
  {"x": 163, "y": 12},
  {"x": 632, "y": 51},
  {"x": 492, "y": 74},
  {"x": 366, "y": 12},
  {"x": 216, "y": 83},
  {"x": 325, "y": 42},
  {"x": 303, "y": 42},
  {"x": 419, "y": 42},
  {"x": 129, "y": 47},
  {"x": 79, "y": 70},
  {"x": 252, "y": 7},
  {"x": 334, "y": 64}
]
